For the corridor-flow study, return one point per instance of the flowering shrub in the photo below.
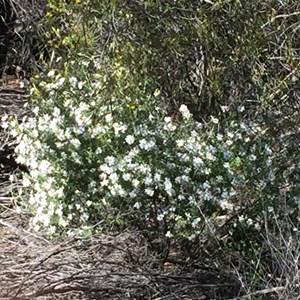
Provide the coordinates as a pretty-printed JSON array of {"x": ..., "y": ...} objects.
[
  {"x": 99, "y": 145},
  {"x": 94, "y": 156}
]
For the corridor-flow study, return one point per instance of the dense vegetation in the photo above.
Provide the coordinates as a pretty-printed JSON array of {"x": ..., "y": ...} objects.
[{"x": 179, "y": 117}]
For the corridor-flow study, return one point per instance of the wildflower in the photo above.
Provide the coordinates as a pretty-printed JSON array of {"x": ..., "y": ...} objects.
[
  {"x": 209, "y": 156},
  {"x": 171, "y": 126},
  {"x": 113, "y": 177},
  {"x": 180, "y": 143},
  {"x": 185, "y": 111},
  {"x": 168, "y": 234},
  {"x": 126, "y": 176},
  {"x": 119, "y": 128},
  {"x": 198, "y": 162},
  {"x": 80, "y": 85},
  {"x": 214, "y": 120},
  {"x": 230, "y": 134},
  {"x": 129, "y": 139},
  {"x": 249, "y": 222},
  {"x": 110, "y": 160},
  {"x": 229, "y": 142},
  {"x": 133, "y": 194},
  {"x": 135, "y": 183},
  {"x": 167, "y": 119},
  {"x": 160, "y": 217},
  {"x": 51, "y": 73},
  {"x": 75, "y": 142},
  {"x": 26, "y": 182},
  {"x": 168, "y": 186},
  {"x": 195, "y": 222},
  {"x": 156, "y": 93},
  {"x": 137, "y": 205},
  {"x": 146, "y": 145},
  {"x": 149, "y": 192},
  {"x": 219, "y": 137},
  {"x": 224, "y": 108}
]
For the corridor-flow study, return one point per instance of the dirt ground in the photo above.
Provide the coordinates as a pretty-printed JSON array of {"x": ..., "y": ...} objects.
[{"x": 105, "y": 266}]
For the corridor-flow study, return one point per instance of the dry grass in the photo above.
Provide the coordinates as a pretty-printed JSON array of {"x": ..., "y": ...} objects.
[{"x": 104, "y": 266}]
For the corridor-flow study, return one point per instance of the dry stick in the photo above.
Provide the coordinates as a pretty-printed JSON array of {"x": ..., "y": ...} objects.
[
  {"x": 40, "y": 262},
  {"x": 261, "y": 292}
]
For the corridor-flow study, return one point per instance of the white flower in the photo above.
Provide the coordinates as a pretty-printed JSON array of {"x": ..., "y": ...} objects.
[
  {"x": 146, "y": 145},
  {"x": 206, "y": 185},
  {"x": 59, "y": 82},
  {"x": 229, "y": 142},
  {"x": 149, "y": 192},
  {"x": 119, "y": 128},
  {"x": 214, "y": 120},
  {"x": 44, "y": 219},
  {"x": 113, "y": 177},
  {"x": 171, "y": 126},
  {"x": 110, "y": 160},
  {"x": 167, "y": 119},
  {"x": 224, "y": 108},
  {"x": 241, "y": 218},
  {"x": 129, "y": 139},
  {"x": 4, "y": 121},
  {"x": 249, "y": 222},
  {"x": 75, "y": 142},
  {"x": 180, "y": 143},
  {"x": 240, "y": 108},
  {"x": 219, "y": 137},
  {"x": 198, "y": 162},
  {"x": 185, "y": 111},
  {"x": 56, "y": 112},
  {"x": 109, "y": 118},
  {"x": 33, "y": 164},
  {"x": 160, "y": 217},
  {"x": 126, "y": 176},
  {"x": 73, "y": 80},
  {"x": 168, "y": 186},
  {"x": 51, "y": 73},
  {"x": 62, "y": 222},
  {"x": 135, "y": 183},
  {"x": 133, "y": 194},
  {"x": 36, "y": 228},
  {"x": 168, "y": 234},
  {"x": 80, "y": 84},
  {"x": 226, "y": 165},
  {"x": 230, "y": 134},
  {"x": 157, "y": 177},
  {"x": 137, "y": 205},
  {"x": 209, "y": 156},
  {"x": 60, "y": 192},
  {"x": 224, "y": 204},
  {"x": 26, "y": 182},
  {"x": 105, "y": 169},
  {"x": 195, "y": 222},
  {"x": 257, "y": 226}
]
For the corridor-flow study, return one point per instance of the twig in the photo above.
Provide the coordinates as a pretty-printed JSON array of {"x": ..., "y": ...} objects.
[{"x": 263, "y": 292}]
